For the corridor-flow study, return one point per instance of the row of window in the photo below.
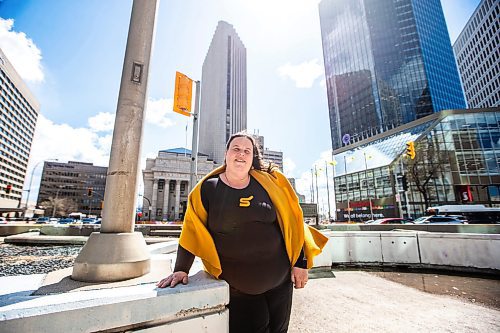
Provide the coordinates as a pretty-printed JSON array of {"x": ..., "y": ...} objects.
[
  {"x": 12, "y": 141},
  {"x": 485, "y": 75},
  {"x": 13, "y": 111},
  {"x": 8, "y": 119},
  {"x": 477, "y": 19},
  {"x": 15, "y": 107},
  {"x": 5, "y": 81},
  {"x": 20, "y": 163}
]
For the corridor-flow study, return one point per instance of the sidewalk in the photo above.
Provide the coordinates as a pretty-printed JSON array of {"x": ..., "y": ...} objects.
[{"x": 360, "y": 302}]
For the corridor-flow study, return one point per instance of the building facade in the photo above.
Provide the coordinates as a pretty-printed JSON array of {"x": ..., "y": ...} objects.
[
  {"x": 477, "y": 50},
  {"x": 79, "y": 185},
  {"x": 223, "y": 92},
  {"x": 387, "y": 63},
  {"x": 166, "y": 183},
  {"x": 457, "y": 161},
  {"x": 18, "y": 116},
  {"x": 275, "y": 157}
]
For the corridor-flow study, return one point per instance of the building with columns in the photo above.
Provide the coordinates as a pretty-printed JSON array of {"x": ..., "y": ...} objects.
[{"x": 166, "y": 183}]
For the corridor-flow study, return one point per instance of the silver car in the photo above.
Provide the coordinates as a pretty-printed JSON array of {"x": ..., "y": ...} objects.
[{"x": 440, "y": 219}]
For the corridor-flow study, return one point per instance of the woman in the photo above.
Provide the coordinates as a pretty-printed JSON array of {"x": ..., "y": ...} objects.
[{"x": 245, "y": 223}]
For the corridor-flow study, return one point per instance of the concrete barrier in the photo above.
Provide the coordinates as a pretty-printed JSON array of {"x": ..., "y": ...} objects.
[{"x": 467, "y": 252}]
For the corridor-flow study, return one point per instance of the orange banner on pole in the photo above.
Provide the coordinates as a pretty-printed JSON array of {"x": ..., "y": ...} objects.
[{"x": 183, "y": 94}]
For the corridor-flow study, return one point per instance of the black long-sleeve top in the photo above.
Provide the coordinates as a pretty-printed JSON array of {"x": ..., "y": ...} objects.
[{"x": 247, "y": 236}]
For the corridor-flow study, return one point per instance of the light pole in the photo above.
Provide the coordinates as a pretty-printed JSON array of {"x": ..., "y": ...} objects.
[
  {"x": 368, "y": 186},
  {"x": 328, "y": 192},
  {"x": 347, "y": 188},
  {"x": 150, "y": 208},
  {"x": 31, "y": 181}
]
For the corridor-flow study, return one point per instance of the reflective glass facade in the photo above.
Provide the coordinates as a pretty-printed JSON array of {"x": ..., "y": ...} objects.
[
  {"x": 457, "y": 161},
  {"x": 387, "y": 63}
]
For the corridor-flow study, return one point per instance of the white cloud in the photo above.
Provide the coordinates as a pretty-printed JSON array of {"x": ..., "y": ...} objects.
[
  {"x": 67, "y": 143},
  {"x": 21, "y": 51},
  {"x": 288, "y": 166},
  {"x": 158, "y": 110},
  {"x": 303, "y": 74},
  {"x": 102, "y": 122}
]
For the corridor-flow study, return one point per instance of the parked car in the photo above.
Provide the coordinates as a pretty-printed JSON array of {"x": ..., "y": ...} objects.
[
  {"x": 66, "y": 220},
  {"x": 392, "y": 220},
  {"x": 89, "y": 220},
  {"x": 440, "y": 219},
  {"x": 42, "y": 220},
  {"x": 3, "y": 220}
]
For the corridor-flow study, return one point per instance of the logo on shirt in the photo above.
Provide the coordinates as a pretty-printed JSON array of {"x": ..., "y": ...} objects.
[{"x": 245, "y": 202}]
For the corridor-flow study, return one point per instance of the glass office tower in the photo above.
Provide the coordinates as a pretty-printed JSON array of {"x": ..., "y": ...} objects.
[{"x": 387, "y": 63}]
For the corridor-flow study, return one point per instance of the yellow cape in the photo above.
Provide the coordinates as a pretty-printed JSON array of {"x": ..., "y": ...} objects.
[{"x": 196, "y": 238}]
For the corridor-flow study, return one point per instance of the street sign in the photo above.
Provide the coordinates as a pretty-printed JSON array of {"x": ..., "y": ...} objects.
[
  {"x": 182, "y": 94},
  {"x": 309, "y": 209}
]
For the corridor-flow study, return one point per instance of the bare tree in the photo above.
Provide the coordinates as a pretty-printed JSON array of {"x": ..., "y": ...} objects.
[
  {"x": 59, "y": 206},
  {"x": 427, "y": 166}
]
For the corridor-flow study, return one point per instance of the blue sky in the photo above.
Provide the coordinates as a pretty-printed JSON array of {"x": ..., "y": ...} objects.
[{"x": 71, "y": 54}]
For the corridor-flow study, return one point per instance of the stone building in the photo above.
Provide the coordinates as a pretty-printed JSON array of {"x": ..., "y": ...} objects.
[{"x": 166, "y": 183}]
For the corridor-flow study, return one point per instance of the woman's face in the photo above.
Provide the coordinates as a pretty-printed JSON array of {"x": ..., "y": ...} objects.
[{"x": 239, "y": 156}]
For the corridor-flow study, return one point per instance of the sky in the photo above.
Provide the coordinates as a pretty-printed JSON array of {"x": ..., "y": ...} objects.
[{"x": 70, "y": 53}]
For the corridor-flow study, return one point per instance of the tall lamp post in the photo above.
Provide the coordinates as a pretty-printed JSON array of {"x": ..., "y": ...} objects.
[
  {"x": 150, "y": 208},
  {"x": 31, "y": 182},
  {"x": 127, "y": 255}
]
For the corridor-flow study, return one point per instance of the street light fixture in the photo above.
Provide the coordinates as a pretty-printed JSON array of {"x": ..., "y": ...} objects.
[
  {"x": 31, "y": 181},
  {"x": 150, "y": 208}
]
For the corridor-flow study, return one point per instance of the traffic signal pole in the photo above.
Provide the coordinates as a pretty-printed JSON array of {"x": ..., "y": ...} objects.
[{"x": 194, "y": 149}]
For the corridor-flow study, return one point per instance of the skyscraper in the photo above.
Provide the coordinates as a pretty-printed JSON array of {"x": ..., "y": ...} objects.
[
  {"x": 478, "y": 56},
  {"x": 387, "y": 63},
  {"x": 18, "y": 115},
  {"x": 223, "y": 92}
]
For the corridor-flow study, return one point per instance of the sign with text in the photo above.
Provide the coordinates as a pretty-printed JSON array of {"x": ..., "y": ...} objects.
[{"x": 309, "y": 209}]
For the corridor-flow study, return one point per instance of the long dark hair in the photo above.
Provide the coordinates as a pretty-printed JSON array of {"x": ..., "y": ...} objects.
[{"x": 257, "y": 161}]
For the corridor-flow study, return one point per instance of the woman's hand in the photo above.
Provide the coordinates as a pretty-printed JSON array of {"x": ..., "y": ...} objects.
[
  {"x": 299, "y": 277},
  {"x": 173, "y": 279}
]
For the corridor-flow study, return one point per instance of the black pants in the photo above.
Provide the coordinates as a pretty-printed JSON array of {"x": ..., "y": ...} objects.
[{"x": 264, "y": 313}]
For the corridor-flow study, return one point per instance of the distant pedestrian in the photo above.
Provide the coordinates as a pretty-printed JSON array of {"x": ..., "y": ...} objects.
[{"x": 245, "y": 222}]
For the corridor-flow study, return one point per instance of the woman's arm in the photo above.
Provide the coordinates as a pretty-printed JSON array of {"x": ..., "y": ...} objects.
[{"x": 183, "y": 263}]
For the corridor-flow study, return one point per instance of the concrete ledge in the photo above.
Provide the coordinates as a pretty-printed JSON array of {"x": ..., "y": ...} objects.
[
  {"x": 467, "y": 252},
  {"x": 140, "y": 306},
  {"x": 36, "y": 238}
]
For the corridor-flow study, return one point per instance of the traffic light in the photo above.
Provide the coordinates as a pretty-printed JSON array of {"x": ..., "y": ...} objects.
[
  {"x": 89, "y": 191},
  {"x": 182, "y": 94},
  {"x": 8, "y": 188},
  {"x": 410, "y": 149},
  {"x": 404, "y": 182}
]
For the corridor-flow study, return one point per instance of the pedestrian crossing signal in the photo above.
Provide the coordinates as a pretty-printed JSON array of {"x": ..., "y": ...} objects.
[{"x": 410, "y": 150}]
